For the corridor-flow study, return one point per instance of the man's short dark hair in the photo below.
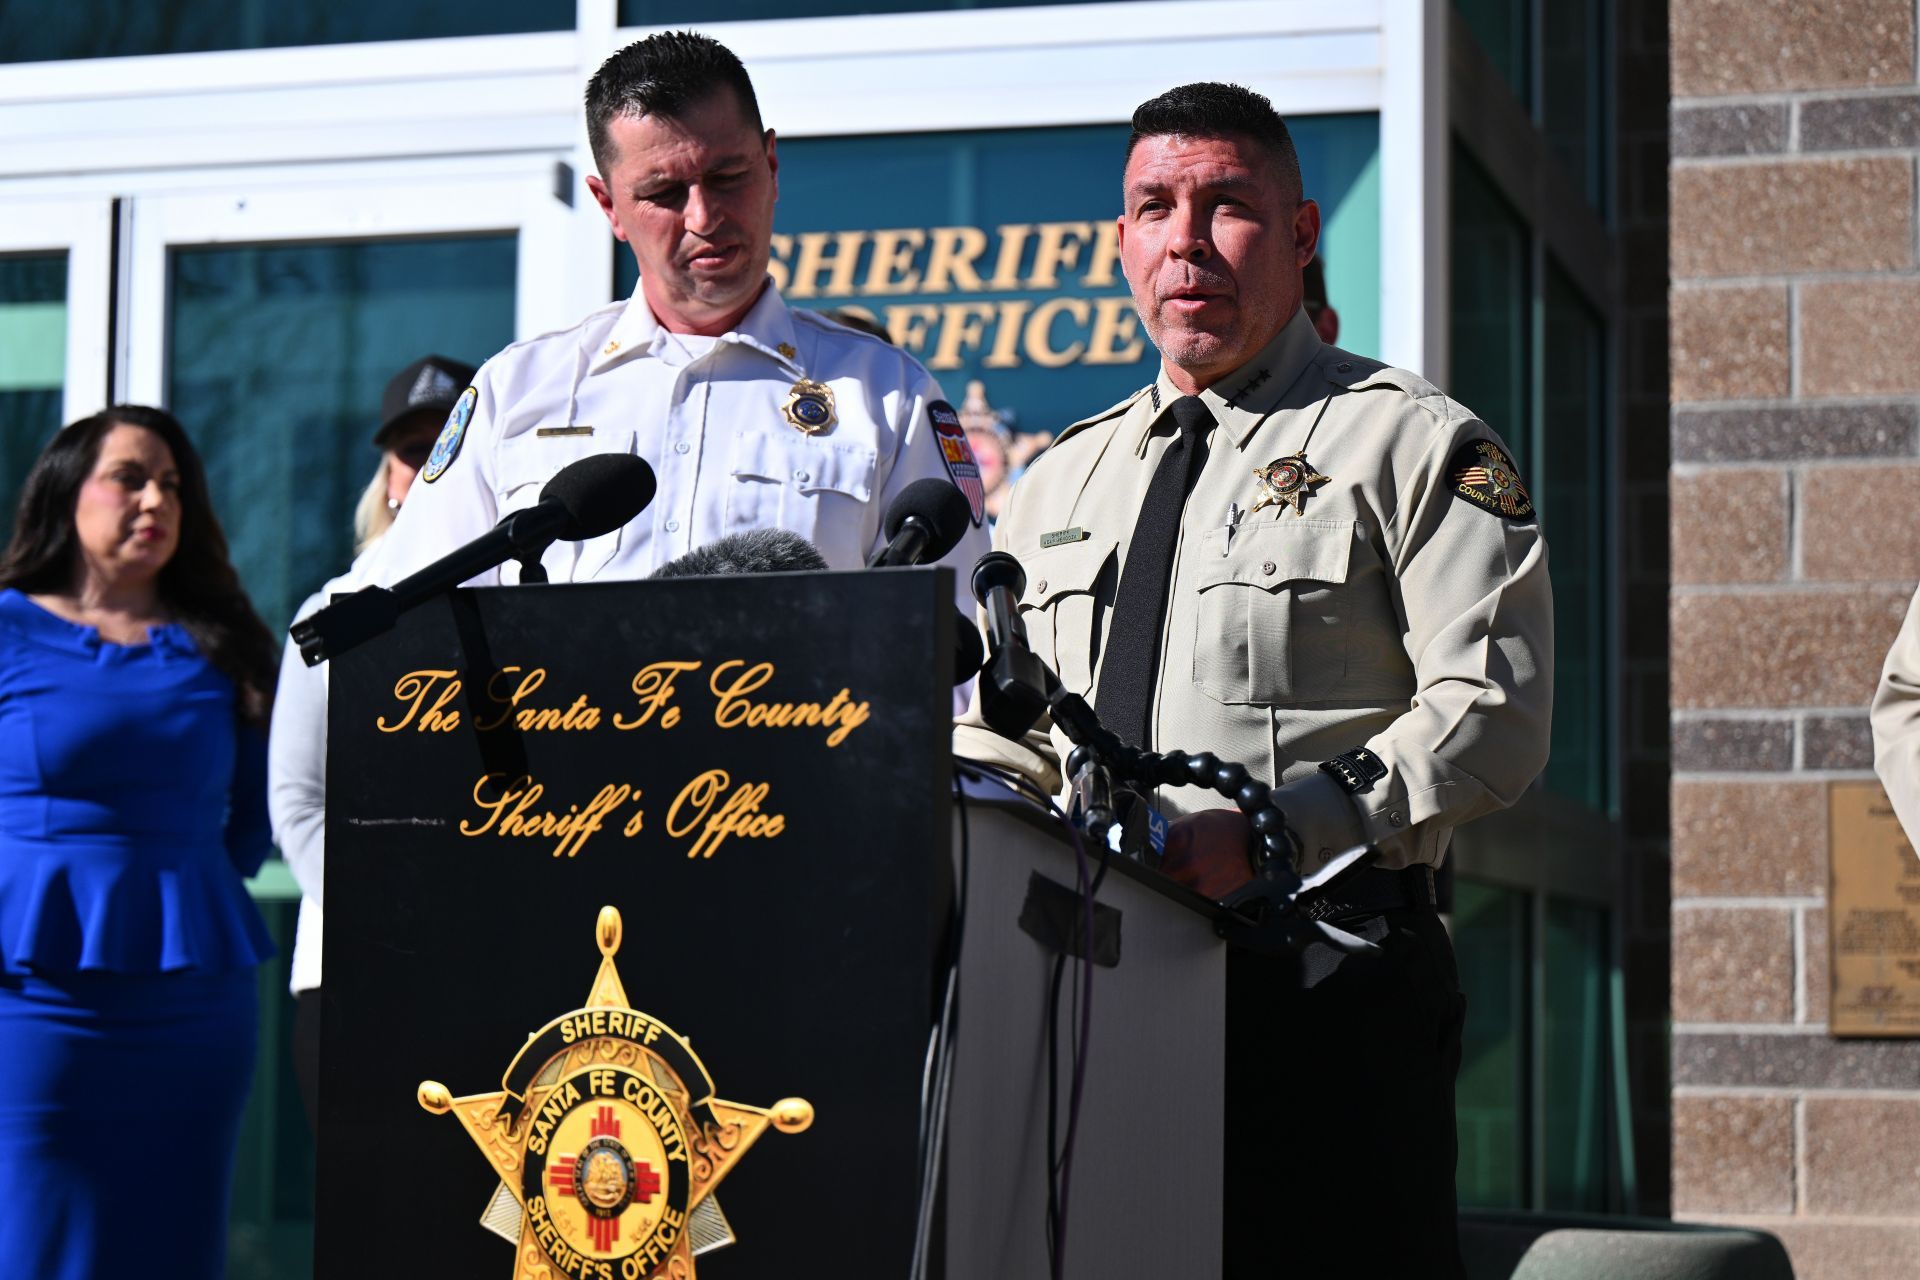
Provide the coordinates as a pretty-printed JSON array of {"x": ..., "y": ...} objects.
[
  {"x": 663, "y": 75},
  {"x": 1212, "y": 110}
]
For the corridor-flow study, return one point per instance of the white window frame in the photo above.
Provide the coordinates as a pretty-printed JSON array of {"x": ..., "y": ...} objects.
[
  {"x": 83, "y": 230},
  {"x": 333, "y": 209}
]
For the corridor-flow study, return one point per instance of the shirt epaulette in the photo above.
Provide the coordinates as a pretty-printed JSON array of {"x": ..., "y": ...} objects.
[
  {"x": 1112, "y": 411},
  {"x": 1357, "y": 373}
]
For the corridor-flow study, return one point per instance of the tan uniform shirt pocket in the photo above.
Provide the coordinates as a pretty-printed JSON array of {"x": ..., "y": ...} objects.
[
  {"x": 1269, "y": 623},
  {"x": 1062, "y": 608}
]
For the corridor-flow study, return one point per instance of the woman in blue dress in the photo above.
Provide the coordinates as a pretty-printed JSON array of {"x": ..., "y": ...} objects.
[{"x": 135, "y": 687}]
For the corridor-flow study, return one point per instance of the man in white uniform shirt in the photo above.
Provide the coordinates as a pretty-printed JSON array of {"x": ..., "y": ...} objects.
[{"x": 753, "y": 415}]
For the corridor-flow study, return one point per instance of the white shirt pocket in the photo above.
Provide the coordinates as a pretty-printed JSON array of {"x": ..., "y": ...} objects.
[
  {"x": 522, "y": 468},
  {"x": 821, "y": 489}
]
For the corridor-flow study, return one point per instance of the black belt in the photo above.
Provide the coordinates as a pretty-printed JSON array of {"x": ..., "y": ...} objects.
[{"x": 1373, "y": 890}]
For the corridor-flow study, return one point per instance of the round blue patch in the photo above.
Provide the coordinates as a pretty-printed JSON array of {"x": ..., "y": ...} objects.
[
  {"x": 447, "y": 447},
  {"x": 811, "y": 410}
]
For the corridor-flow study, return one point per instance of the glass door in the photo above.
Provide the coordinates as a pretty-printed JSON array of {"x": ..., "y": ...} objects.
[
  {"x": 55, "y": 258},
  {"x": 269, "y": 320}
]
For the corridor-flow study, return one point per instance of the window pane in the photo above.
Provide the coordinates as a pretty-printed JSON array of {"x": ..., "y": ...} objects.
[
  {"x": 1573, "y": 51},
  {"x": 278, "y": 355},
  {"x": 33, "y": 364},
  {"x": 983, "y": 273},
  {"x": 1501, "y": 27},
  {"x": 1576, "y": 1044},
  {"x": 1490, "y": 945},
  {"x": 1572, "y": 481},
  {"x": 1491, "y": 309},
  {"x": 49, "y": 30}
]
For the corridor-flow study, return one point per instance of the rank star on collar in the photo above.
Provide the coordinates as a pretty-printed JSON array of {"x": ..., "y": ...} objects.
[{"x": 1291, "y": 480}]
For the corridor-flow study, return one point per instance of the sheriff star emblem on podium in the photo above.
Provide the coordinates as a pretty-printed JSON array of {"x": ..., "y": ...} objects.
[{"x": 609, "y": 1142}]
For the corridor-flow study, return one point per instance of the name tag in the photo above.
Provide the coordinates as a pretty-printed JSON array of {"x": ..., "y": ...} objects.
[
  {"x": 563, "y": 431},
  {"x": 1060, "y": 537}
]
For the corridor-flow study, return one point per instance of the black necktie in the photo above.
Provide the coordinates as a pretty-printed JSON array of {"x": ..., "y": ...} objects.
[{"x": 1131, "y": 661}]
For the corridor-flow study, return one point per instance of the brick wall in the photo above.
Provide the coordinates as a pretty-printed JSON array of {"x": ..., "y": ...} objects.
[{"x": 1795, "y": 377}]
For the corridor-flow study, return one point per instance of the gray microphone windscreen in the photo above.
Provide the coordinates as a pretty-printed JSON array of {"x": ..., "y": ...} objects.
[{"x": 755, "y": 551}]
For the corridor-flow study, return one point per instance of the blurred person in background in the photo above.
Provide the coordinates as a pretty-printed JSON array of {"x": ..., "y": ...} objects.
[
  {"x": 1896, "y": 724},
  {"x": 136, "y": 683},
  {"x": 412, "y": 410}
]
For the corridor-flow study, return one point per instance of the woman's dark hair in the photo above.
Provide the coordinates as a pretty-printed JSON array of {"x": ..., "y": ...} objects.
[{"x": 198, "y": 584}]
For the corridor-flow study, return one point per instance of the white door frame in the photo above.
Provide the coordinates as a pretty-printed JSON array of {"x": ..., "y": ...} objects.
[
  {"x": 347, "y": 208},
  {"x": 83, "y": 230}
]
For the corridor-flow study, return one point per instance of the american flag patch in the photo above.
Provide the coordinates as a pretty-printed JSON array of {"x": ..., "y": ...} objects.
[
  {"x": 1483, "y": 474},
  {"x": 957, "y": 454}
]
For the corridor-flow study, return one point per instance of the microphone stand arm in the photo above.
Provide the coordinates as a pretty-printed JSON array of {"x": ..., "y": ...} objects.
[{"x": 1274, "y": 912}]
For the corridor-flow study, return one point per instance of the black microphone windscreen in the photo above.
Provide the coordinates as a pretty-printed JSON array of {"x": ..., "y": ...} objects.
[
  {"x": 600, "y": 493},
  {"x": 938, "y": 502},
  {"x": 997, "y": 569},
  {"x": 969, "y": 650},
  {"x": 756, "y": 551}
]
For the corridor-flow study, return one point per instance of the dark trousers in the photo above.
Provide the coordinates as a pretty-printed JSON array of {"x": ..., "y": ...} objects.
[
  {"x": 306, "y": 1052},
  {"x": 1340, "y": 1143}
]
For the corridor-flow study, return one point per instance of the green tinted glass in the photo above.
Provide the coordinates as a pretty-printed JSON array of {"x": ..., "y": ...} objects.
[
  {"x": 1490, "y": 944},
  {"x": 278, "y": 355},
  {"x": 1504, "y": 28},
  {"x": 1573, "y": 56},
  {"x": 1575, "y": 1048},
  {"x": 33, "y": 364},
  {"x": 1572, "y": 483},
  {"x": 49, "y": 30},
  {"x": 1491, "y": 308}
]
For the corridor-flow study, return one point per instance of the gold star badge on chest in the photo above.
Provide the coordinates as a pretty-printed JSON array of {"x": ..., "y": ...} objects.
[
  {"x": 1291, "y": 480},
  {"x": 609, "y": 1141},
  {"x": 809, "y": 406}
]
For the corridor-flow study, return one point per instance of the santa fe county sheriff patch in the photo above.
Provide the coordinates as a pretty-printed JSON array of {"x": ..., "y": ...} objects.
[
  {"x": 447, "y": 447},
  {"x": 1482, "y": 473},
  {"x": 957, "y": 454}
]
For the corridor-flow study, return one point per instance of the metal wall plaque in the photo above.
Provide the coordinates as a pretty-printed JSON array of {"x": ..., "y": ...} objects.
[{"x": 1873, "y": 915}]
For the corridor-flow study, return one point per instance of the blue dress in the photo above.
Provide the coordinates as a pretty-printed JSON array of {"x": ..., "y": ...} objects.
[{"x": 132, "y": 804}]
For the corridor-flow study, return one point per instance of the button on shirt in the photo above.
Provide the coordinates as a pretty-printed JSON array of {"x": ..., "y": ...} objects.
[
  {"x": 1389, "y": 613},
  {"x": 708, "y": 414}
]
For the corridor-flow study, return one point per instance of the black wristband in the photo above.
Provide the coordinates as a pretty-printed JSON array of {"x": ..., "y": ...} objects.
[{"x": 1356, "y": 770}]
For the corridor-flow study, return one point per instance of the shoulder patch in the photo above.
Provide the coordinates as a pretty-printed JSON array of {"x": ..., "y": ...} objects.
[
  {"x": 1483, "y": 474},
  {"x": 957, "y": 455},
  {"x": 447, "y": 447}
]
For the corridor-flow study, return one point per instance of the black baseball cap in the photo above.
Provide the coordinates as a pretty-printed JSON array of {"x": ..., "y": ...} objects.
[{"x": 429, "y": 385}]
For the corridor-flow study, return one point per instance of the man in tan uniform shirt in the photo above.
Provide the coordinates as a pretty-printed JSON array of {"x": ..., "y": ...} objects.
[
  {"x": 1896, "y": 724},
  {"x": 1357, "y": 574}
]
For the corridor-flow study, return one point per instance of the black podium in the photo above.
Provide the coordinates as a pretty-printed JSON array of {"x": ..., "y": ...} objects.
[{"x": 755, "y": 772}]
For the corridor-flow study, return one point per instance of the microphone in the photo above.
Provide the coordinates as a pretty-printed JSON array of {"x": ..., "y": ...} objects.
[
  {"x": 969, "y": 650},
  {"x": 584, "y": 499},
  {"x": 755, "y": 551},
  {"x": 1014, "y": 682},
  {"x": 923, "y": 523}
]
